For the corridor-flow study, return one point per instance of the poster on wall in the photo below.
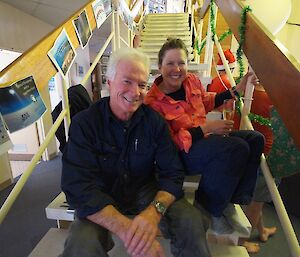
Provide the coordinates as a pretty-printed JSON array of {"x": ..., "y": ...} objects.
[
  {"x": 5, "y": 143},
  {"x": 62, "y": 54},
  {"x": 83, "y": 28},
  {"x": 99, "y": 12},
  {"x": 21, "y": 104}
]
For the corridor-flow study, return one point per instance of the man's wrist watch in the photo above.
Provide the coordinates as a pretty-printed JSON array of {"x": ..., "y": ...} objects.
[{"x": 160, "y": 207}]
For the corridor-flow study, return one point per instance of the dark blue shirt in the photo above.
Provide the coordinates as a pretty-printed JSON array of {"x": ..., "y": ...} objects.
[{"x": 107, "y": 161}]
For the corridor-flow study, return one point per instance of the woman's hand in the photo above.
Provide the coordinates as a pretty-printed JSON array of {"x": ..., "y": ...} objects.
[
  {"x": 219, "y": 127},
  {"x": 250, "y": 77}
]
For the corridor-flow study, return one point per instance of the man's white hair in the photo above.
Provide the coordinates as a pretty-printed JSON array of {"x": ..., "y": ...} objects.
[{"x": 125, "y": 54}]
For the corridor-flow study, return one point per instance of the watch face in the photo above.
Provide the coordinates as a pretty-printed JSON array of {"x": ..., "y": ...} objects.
[{"x": 160, "y": 207}]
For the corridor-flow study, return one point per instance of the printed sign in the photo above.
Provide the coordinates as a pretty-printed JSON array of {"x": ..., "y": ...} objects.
[{"x": 21, "y": 104}]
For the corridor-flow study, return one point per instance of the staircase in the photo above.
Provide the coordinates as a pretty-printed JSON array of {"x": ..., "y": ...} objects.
[{"x": 159, "y": 27}]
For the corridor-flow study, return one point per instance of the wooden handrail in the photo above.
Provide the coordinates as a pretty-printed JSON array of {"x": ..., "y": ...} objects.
[
  {"x": 35, "y": 60},
  {"x": 204, "y": 9},
  {"x": 277, "y": 69}
]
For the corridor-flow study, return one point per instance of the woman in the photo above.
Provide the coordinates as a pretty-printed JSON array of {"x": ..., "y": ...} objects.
[{"x": 228, "y": 164}]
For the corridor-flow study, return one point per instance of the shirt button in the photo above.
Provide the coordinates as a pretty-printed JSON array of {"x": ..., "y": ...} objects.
[
  {"x": 124, "y": 130},
  {"x": 122, "y": 160}
]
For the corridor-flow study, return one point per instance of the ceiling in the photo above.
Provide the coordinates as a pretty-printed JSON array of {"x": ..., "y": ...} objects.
[{"x": 53, "y": 12}]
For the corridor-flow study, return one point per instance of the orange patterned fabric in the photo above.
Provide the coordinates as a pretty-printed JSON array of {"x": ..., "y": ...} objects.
[{"x": 182, "y": 115}]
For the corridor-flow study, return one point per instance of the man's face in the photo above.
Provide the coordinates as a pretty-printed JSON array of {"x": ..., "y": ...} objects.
[{"x": 128, "y": 88}]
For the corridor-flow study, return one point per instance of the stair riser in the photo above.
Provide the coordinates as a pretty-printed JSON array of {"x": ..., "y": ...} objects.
[
  {"x": 155, "y": 50},
  {"x": 167, "y": 15},
  {"x": 175, "y": 21},
  {"x": 170, "y": 33},
  {"x": 158, "y": 44},
  {"x": 160, "y": 30}
]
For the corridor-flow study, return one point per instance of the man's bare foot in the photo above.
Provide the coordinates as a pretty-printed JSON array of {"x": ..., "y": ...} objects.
[
  {"x": 267, "y": 232},
  {"x": 251, "y": 247}
]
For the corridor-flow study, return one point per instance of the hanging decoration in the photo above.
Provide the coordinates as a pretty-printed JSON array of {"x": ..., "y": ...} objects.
[
  {"x": 239, "y": 53},
  {"x": 222, "y": 37},
  {"x": 212, "y": 19},
  {"x": 242, "y": 29},
  {"x": 253, "y": 117}
]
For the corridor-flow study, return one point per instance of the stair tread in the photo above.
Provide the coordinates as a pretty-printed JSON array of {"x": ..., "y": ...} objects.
[
  {"x": 162, "y": 25},
  {"x": 52, "y": 244},
  {"x": 159, "y": 33},
  {"x": 156, "y": 49},
  {"x": 162, "y": 39},
  {"x": 219, "y": 250},
  {"x": 159, "y": 29}
]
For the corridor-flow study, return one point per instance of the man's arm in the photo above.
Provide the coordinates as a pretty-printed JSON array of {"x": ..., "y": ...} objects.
[
  {"x": 111, "y": 219},
  {"x": 144, "y": 227},
  {"x": 138, "y": 234}
]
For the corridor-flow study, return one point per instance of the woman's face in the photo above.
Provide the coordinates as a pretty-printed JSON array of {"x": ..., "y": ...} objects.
[{"x": 173, "y": 69}]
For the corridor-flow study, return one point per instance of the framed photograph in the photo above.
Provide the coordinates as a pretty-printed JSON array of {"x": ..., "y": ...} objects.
[
  {"x": 99, "y": 12},
  {"x": 82, "y": 28},
  {"x": 62, "y": 54}
]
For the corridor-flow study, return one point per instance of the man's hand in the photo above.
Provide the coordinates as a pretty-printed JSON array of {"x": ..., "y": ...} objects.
[
  {"x": 220, "y": 127},
  {"x": 155, "y": 250},
  {"x": 142, "y": 232}
]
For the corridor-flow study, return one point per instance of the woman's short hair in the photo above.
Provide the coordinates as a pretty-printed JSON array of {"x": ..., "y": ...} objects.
[
  {"x": 171, "y": 43},
  {"x": 125, "y": 54}
]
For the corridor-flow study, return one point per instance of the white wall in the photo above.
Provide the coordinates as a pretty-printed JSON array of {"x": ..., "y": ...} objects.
[
  {"x": 7, "y": 57},
  {"x": 19, "y": 31},
  {"x": 289, "y": 36},
  {"x": 175, "y": 6},
  {"x": 82, "y": 59}
]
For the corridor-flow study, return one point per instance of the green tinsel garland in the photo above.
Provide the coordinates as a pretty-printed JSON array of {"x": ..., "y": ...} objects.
[
  {"x": 253, "y": 117},
  {"x": 212, "y": 19},
  {"x": 239, "y": 53},
  {"x": 222, "y": 37},
  {"x": 242, "y": 29},
  {"x": 225, "y": 35}
]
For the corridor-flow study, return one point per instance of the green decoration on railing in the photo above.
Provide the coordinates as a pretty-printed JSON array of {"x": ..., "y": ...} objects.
[
  {"x": 225, "y": 35},
  {"x": 199, "y": 50},
  {"x": 212, "y": 19},
  {"x": 242, "y": 29},
  {"x": 222, "y": 37},
  {"x": 253, "y": 117},
  {"x": 239, "y": 53}
]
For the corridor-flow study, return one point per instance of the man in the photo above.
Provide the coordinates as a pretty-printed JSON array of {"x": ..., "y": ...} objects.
[{"x": 120, "y": 161}]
